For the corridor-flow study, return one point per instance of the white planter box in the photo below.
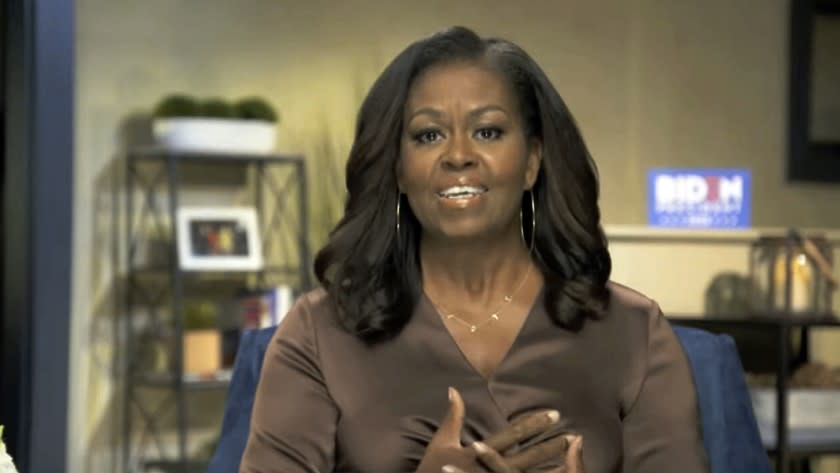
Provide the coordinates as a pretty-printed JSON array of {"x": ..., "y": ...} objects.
[
  {"x": 807, "y": 408},
  {"x": 215, "y": 135}
]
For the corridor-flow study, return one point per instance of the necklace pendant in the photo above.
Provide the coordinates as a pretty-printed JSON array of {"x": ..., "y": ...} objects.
[
  {"x": 494, "y": 317},
  {"x": 473, "y": 328},
  {"x": 508, "y": 298}
]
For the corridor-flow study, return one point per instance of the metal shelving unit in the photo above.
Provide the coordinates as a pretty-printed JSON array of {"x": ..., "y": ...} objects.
[
  {"x": 777, "y": 331},
  {"x": 158, "y": 291}
]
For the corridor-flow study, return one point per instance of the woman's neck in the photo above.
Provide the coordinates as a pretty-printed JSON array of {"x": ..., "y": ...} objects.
[{"x": 474, "y": 272}]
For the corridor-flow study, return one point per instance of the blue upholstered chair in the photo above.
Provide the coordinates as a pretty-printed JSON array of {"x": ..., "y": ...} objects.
[
  {"x": 729, "y": 428},
  {"x": 240, "y": 401},
  {"x": 730, "y": 431}
]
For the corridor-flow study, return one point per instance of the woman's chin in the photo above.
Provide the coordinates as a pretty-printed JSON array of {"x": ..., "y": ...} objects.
[{"x": 471, "y": 235}]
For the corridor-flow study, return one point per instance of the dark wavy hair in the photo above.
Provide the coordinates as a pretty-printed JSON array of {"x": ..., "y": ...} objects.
[{"x": 373, "y": 275}]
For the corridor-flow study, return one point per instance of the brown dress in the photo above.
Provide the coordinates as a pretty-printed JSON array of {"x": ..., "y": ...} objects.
[{"x": 328, "y": 403}]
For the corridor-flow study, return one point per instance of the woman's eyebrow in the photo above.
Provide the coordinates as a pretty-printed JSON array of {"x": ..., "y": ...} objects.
[{"x": 475, "y": 113}]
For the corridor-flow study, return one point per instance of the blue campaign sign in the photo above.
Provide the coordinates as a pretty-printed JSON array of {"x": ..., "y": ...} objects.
[{"x": 699, "y": 198}]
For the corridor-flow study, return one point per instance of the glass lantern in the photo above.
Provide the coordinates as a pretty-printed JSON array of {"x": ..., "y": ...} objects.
[{"x": 791, "y": 275}]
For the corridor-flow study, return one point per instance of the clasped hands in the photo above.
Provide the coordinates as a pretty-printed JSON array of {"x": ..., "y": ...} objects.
[{"x": 445, "y": 454}]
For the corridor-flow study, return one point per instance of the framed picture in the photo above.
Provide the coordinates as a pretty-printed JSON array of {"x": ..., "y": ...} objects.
[
  {"x": 813, "y": 102},
  {"x": 219, "y": 239}
]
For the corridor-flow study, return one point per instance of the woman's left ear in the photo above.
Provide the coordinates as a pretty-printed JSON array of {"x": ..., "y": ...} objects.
[{"x": 535, "y": 153}]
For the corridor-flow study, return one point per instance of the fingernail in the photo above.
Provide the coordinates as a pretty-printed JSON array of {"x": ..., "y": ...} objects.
[
  {"x": 553, "y": 416},
  {"x": 575, "y": 441},
  {"x": 448, "y": 469},
  {"x": 480, "y": 447},
  {"x": 451, "y": 395}
]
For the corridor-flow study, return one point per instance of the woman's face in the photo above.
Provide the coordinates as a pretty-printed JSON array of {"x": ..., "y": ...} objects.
[{"x": 465, "y": 159}]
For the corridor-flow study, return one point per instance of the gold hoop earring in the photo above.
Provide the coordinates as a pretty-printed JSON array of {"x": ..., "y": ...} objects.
[
  {"x": 533, "y": 221},
  {"x": 399, "y": 198}
]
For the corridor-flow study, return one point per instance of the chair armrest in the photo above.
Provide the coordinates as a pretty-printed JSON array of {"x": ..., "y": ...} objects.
[
  {"x": 730, "y": 432},
  {"x": 240, "y": 401}
]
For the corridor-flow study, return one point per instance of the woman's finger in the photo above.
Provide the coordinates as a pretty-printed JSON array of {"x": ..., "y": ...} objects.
[
  {"x": 451, "y": 469},
  {"x": 543, "y": 452},
  {"x": 559, "y": 469},
  {"x": 574, "y": 456},
  {"x": 449, "y": 432},
  {"x": 492, "y": 459},
  {"x": 528, "y": 427}
]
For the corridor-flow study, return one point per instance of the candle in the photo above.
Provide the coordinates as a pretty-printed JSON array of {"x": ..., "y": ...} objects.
[{"x": 801, "y": 283}]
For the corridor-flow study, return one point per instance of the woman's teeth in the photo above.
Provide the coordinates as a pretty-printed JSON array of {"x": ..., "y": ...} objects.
[{"x": 462, "y": 192}]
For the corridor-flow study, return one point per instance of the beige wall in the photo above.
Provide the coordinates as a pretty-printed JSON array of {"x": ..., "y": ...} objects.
[{"x": 652, "y": 83}]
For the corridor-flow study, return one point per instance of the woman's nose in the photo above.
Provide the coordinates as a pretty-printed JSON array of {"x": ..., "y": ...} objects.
[{"x": 459, "y": 154}]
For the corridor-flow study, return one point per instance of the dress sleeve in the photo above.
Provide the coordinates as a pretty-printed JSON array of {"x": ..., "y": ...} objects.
[
  {"x": 293, "y": 424},
  {"x": 662, "y": 429}
]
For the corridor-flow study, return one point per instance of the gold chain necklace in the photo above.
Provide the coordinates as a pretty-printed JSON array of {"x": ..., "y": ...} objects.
[{"x": 493, "y": 316}]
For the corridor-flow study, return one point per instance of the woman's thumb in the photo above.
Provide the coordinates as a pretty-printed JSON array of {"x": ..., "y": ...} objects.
[{"x": 454, "y": 421}]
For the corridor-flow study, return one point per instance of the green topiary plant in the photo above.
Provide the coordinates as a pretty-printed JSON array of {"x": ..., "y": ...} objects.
[
  {"x": 200, "y": 315},
  {"x": 217, "y": 108},
  {"x": 255, "y": 108},
  {"x": 176, "y": 105},
  {"x": 185, "y": 106}
]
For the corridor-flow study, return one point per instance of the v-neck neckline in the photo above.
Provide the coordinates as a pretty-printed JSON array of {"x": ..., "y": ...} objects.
[{"x": 535, "y": 304}]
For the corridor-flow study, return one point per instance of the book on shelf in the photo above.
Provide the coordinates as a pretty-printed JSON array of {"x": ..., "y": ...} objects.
[
  {"x": 265, "y": 308},
  {"x": 250, "y": 310}
]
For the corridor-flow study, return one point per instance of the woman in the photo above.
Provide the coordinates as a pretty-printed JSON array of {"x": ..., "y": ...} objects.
[{"x": 471, "y": 261}]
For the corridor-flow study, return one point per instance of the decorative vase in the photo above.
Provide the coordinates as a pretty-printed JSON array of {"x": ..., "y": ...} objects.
[{"x": 202, "y": 351}]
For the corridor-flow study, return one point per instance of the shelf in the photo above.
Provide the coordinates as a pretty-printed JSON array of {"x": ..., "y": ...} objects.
[
  {"x": 171, "y": 466},
  {"x": 811, "y": 450},
  {"x": 158, "y": 291},
  {"x": 157, "y": 271},
  {"x": 219, "y": 380},
  {"x": 804, "y": 441},
  {"x": 163, "y": 154},
  {"x": 757, "y": 338},
  {"x": 804, "y": 320}
]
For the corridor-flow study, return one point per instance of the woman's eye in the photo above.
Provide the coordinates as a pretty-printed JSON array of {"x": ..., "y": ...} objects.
[
  {"x": 488, "y": 134},
  {"x": 428, "y": 136}
]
